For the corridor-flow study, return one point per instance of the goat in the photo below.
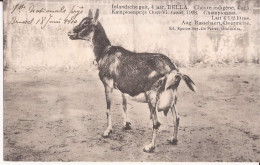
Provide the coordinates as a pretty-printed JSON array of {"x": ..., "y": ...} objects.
[{"x": 145, "y": 77}]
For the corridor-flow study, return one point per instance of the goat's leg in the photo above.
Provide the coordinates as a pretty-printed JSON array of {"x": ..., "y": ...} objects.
[
  {"x": 127, "y": 124},
  {"x": 108, "y": 91},
  {"x": 173, "y": 140},
  {"x": 152, "y": 101}
]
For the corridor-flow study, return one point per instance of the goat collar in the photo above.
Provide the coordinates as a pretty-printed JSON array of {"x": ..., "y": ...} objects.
[{"x": 106, "y": 48}]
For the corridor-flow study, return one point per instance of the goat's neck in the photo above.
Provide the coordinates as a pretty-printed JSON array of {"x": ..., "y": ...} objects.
[{"x": 100, "y": 42}]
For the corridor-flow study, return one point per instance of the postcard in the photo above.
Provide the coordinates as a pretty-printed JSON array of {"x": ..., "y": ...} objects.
[{"x": 131, "y": 81}]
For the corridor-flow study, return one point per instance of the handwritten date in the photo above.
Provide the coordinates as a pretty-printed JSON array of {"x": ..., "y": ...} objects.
[{"x": 38, "y": 15}]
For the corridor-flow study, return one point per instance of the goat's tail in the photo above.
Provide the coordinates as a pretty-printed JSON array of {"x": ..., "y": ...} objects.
[
  {"x": 174, "y": 77},
  {"x": 189, "y": 82},
  {"x": 167, "y": 97}
]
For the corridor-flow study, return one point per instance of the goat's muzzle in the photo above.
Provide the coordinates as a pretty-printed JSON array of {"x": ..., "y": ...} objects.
[{"x": 72, "y": 35}]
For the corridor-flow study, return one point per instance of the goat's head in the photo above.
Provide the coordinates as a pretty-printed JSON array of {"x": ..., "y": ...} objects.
[{"x": 86, "y": 28}]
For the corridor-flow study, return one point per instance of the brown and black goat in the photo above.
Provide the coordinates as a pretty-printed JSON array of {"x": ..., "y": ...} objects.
[{"x": 145, "y": 77}]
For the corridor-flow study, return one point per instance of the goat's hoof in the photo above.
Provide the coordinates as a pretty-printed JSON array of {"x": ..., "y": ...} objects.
[
  {"x": 107, "y": 133},
  {"x": 173, "y": 141},
  {"x": 127, "y": 126},
  {"x": 149, "y": 148}
]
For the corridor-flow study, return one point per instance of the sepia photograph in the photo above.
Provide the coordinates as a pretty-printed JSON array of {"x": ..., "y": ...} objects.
[{"x": 131, "y": 81}]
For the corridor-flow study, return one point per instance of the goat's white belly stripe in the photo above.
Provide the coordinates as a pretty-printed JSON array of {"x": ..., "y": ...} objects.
[
  {"x": 138, "y": 98},
  {"x": 152, "y": 74}
]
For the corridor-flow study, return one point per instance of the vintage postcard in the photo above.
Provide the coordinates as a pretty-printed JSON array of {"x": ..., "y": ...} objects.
[{"x": 131, "y": 81}]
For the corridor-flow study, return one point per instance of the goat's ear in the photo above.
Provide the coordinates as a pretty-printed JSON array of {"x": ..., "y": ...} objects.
[
  {"x": 90, "y": 15},
  {"x": 96, "y": 15}
]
